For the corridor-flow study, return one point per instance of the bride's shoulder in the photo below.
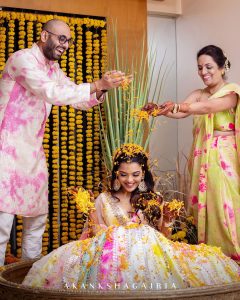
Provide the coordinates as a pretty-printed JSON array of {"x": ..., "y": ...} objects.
[{"x": 103, "y": 197}]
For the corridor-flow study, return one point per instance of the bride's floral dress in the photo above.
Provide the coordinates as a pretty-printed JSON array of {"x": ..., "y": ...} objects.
[{"x": 128, "y": 255}]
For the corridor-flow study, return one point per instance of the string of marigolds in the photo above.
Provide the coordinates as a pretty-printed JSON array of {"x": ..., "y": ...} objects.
[
  {"x": 19, "y": 228},
  {"x": 11, "y": 33},
  {"x": 2, "y": 46},
  {"x": 71, "y": 144},
  {"x": 89, "y": 150},
  {"x": 89, "y": 114},
  {"x": 64, "y": 175},
  {"x": 72, "y": 172},
  {"x": 22, "y": 33},
  {"x": 79, "y": 127},
  {"x": 97, "y": 156},
  {"x": 103, "y": 61},
  {"x": 55, "y": 178},
  {"x": 38, "y": 30},
  {"x": 96, "y": 120},
  {"x": 29, "y": 34},
  {"x": 79, "y": 55},
  {"x": 42, "y": 18},
  {"x": 63, "y": 164},
  {"x": 46, "y": 147},
  {"x": 79, "y": 159},
  {"x": 103, "y": 50},
  {"x": 88, "y": 55}
]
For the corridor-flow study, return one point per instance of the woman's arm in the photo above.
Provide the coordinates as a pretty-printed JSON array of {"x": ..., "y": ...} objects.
[
  {"x": 95, "y": 221},
  {"x": 211, "y": 106},
  {"x": 192, "y": 98},
  {"x": 166, "y": 109},
  {"x": 214, "y": 105}
]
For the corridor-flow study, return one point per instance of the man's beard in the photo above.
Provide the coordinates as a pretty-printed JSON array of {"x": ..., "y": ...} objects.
[{"x": 48, "y": 51}]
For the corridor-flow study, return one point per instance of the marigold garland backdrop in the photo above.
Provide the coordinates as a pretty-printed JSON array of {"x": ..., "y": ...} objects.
[{"x": 72, "y": 137}]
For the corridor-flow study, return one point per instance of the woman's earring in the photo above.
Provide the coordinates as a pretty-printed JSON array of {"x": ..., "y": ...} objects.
[
  {"x": 116, "y": 185},
  {"x": 223, "y": 72},
  {"x": 142, "y": 186}
]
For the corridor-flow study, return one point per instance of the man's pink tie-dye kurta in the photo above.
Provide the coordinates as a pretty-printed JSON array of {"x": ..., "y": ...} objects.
[{"x": 29, "y": 85}]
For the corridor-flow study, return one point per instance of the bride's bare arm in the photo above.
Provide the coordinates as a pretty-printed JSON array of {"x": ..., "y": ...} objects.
[
  {"x": 96, "y": 218},
  {"x": 95, "y": 221}
]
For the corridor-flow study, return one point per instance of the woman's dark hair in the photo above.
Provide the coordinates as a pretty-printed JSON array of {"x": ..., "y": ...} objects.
[{"x": 217, "y": 55}]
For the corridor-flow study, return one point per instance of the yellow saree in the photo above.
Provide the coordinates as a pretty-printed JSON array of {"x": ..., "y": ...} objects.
[{"x": 215, "y": 177}]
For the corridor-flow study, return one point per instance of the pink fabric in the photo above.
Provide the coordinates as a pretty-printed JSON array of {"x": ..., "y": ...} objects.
[{"x": 29, "y": 86}]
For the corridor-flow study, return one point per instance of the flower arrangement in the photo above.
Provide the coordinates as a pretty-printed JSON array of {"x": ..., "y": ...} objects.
[
  {"x": 122, "y": 120},
  {"x": 182, "y": 227},
  {"x": 184, "y": 230}
]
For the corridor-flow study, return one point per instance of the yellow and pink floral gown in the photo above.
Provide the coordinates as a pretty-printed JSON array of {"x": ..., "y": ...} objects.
[
  {"x": 128, "y": 255},
  {"x": 215, "y": 172}
]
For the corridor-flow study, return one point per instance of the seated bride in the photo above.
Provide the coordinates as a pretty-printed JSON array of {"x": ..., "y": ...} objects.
[{"x": 124, "y": 247}]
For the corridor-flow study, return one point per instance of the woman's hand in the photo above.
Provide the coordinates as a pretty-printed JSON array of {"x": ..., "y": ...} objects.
[
  {"x": 154, "y": 109},
  {"x": 165, "y": 108}
]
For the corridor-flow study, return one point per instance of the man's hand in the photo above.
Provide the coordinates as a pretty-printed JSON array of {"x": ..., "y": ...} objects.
[{"x": 111, "y": 79}]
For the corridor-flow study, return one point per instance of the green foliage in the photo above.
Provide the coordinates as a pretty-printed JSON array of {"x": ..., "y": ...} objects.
[{"x": 118, "y": 125}]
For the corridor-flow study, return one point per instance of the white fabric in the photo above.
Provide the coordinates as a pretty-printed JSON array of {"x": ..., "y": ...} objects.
[
  {"x": 33, "y": 229},
  {"x": 6, "y": 221}
]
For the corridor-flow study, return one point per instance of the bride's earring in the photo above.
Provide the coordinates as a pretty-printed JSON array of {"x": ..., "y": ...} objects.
[
  {"x": 116, "y": 185},
  {"x": 142, "y": 186}
]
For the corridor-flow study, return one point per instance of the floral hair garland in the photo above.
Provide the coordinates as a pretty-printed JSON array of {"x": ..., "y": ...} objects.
[{"x": 129, "y": 150}]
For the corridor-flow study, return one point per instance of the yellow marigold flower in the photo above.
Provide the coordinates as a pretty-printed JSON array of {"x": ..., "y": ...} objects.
[
  {"x": 180, "y": 235},
  {"x": 190, "y": 219},
  {"x": 83, "y": 200},
  {"x": 175, "y": 205},
  {"x": 129, "y": 150},
  {"x": 140, "y": 114}
]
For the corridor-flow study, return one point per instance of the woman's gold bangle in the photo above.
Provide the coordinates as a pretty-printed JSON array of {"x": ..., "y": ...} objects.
[{"x": 176, "y": 108}]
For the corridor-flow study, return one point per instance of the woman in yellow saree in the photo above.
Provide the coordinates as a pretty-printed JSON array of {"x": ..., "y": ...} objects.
[
  {"x": 215, "y": 172},
  {"x": 214, "y": 162}
]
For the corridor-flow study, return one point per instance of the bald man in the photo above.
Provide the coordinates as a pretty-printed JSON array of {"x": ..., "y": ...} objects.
[{"x": 31, "y": 82}]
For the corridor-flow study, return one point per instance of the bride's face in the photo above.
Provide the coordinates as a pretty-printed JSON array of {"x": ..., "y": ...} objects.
[{"x": 129, "y": 176}]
